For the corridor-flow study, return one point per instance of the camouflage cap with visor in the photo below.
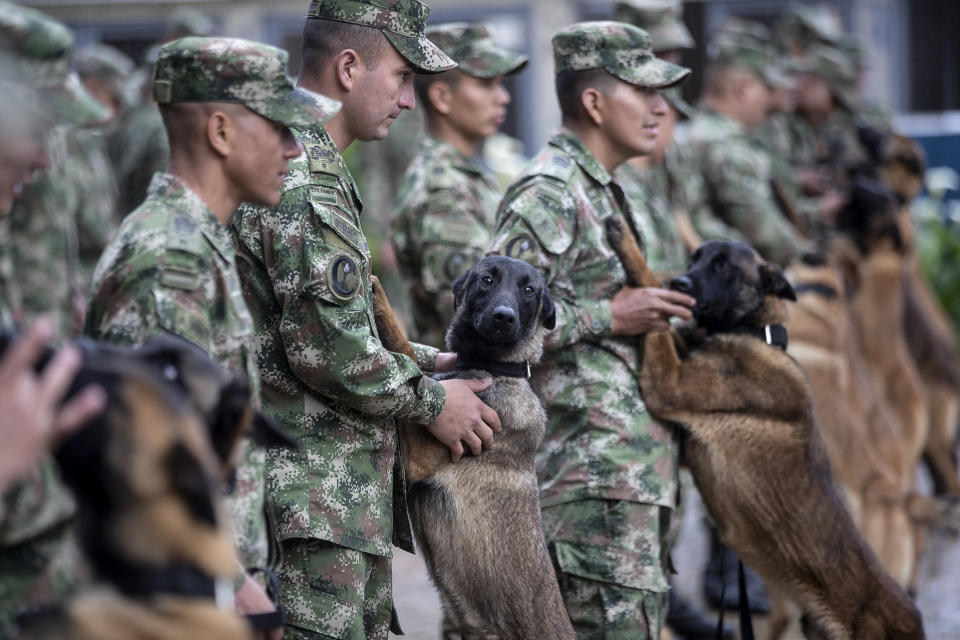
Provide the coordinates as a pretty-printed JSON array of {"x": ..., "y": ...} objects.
[
  {"x": 36, "y": 52},
  {"x": 660, "y": 19},
  {"x": 401, "y": 21},
  {"x": 474, "y": 51},
  {"x": 746, "y": 45},
  {"x": 197, "y": 69},
  {"x": 620, "y": 49},
  {"x": 837, "y": 69}
]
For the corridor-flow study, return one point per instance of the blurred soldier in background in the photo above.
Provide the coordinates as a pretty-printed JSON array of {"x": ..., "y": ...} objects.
[
  {"x": 38, "y": 556},
  {"x": 226, "y": 105},
  {"x": 448, "y": 203},
  {"x": 103, "y": 70},
  {"x": 607, "y": 471}
]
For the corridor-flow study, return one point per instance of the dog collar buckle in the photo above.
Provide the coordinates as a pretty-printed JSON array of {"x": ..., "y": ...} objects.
[
  {"x": 766, "y": 334},
  {"x": 775, "y": 335},
  {"x": 528, "y": 370}
]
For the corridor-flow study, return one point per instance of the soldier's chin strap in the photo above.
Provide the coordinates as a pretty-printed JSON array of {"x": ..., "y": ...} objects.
[
  {"x": 774, "y": 335},
  {"x": 508, "y": 369}
]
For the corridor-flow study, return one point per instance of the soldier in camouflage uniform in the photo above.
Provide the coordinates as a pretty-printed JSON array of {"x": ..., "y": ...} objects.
[
  {"x": 447, "y": 204},
  {"x": 38, "y": 557},
  {"x": 326, "y": 377},
  {"x": 170, "y": 267},
  {"x": 607, "y": 470},
  {"x": 736, "y": 170}
]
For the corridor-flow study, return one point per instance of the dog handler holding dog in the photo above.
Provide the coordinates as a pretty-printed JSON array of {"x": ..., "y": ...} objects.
[
  {"x": 607, "y": 470},
  {"x": 226, "y": 105},
  {"x": 326, "y": 377}
]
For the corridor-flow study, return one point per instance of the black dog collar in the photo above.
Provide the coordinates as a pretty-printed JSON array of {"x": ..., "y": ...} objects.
[
  {"x": 181, "y": 580},
  {"x": 826, "y": 291},
  {"x": 508, "y": 369},
  {"x": 773, "y": 334}
]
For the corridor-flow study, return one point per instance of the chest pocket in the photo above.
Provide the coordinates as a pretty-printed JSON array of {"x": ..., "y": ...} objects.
[{"x": 340, "y": 269}]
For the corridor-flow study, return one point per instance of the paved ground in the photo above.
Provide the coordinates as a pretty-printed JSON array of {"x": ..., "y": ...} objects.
[{"x": 938, "y": 598}]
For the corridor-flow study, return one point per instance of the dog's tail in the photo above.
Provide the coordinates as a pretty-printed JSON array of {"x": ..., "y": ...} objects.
[{"x": 391, "y": 334}]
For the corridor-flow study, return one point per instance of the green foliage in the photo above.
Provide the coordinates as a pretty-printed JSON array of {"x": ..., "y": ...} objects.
[{"x": 939, "y": 244}]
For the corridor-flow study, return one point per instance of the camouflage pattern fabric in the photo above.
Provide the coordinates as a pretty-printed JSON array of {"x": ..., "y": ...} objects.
[
  {"x": 353, "y": 600},
  {"x": 661, "y": 19},
  {"x": 474, "y": 51},
  {"x": 40, "y": 558},
  {"x": 96, "y": 188},
  {"x": 327, "y": 380},
  {"x": 196, "y": 69},
  {"x": 138, "y": 147},
  {"x": 737, "y": 175},
  {"x": 170, "y": 268},
  {"x": 612, "y": 562},
  {"x": 622, "y": 50},
  {"x": 43, "y": 241},
  {"x": 401, "y": 21},
  {"x": 653, "y": 219},
  {"x": 444, "y": 219}
]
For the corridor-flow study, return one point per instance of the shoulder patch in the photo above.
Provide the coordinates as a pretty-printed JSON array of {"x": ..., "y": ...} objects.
[
  {"x": 185, "y": 245},
  {"x": 439, "y": 177},
  {"x": 558, "y": 166},
  {"x": 322, "y": 159}
]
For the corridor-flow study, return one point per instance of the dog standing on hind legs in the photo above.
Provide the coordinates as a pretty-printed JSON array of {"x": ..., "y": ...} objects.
[
  {"x": 754, "y": 448},
  {"x": 477, "y": 521}
]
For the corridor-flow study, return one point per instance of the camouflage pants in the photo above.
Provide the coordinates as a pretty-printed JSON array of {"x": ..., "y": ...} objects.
[
  {"x": 331, "y": 591},
  {"x": 610, "y": 559}
]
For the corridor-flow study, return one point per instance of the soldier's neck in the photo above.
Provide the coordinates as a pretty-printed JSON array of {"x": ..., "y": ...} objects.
[
  {"x": 209, "y": 183},
  {"x": 594, "y": 139},
  {"x": 442, "y": 129}
]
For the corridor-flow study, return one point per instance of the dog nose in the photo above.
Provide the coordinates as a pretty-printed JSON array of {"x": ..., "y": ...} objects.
[
  {"x": 683, "y": 284},
  {"x": 504, "y": 315}
]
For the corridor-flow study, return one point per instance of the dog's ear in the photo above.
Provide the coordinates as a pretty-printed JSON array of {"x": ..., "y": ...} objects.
[
  {"x": 459, "y": 288},
  {"x": 548, "y": 312},
  {"x": 774, "y": 283},
  {"x": 191, "y": 483}
]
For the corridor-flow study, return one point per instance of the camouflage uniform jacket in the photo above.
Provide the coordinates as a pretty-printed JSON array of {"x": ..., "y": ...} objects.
[
  {"x": 137, "y": 144},
  {"x": 661, "y": 244},
  {"x": 327, "y": 379},
  {"x": 737, "y": 175},
  {"x": 170, "y": 267},
  {"x": 444, "y": 217},
  {"x": 600, "y": 441}
]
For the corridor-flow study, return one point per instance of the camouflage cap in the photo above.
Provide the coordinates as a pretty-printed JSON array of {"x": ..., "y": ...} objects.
[
  {"x": 197, "y": 69},
  {"x": 474, "y": 51},
  {"x": 401, "y": 21},
  {"x": 808, "y": 24},
  {"x": 620, "y": 49},
  {"x": 660, "y": 19},
  {"x": 104, "y": 61},
  {"x": 675, "y": 99},
  {"x": 837, "y": 69},
  {"x": 35, "y": 56},
  {"x": 745, "y": 44}
]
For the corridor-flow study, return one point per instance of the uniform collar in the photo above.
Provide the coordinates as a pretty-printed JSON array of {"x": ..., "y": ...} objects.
[
  {"x": 317, "y": 135},
  {"x": 446, "y": 153},
  {"x": 188, "y": 203},
  {"x": 720, "y": 121},
  {"x": 569, "y": 143}
]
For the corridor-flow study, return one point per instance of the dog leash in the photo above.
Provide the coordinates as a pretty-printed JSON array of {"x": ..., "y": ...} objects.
[{"x": 746, "y": 623}]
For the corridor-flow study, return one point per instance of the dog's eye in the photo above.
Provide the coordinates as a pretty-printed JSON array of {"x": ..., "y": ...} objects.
[
  {"x": 721, "y": 266},
  {"x": 529, "y": 291},
  {"x": 486, "y": 280}
]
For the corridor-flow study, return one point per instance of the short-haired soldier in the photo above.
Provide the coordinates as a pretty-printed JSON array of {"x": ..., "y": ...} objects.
[
  {"x": 607, "y": 470},
  {"x": 227, "y": 106}
]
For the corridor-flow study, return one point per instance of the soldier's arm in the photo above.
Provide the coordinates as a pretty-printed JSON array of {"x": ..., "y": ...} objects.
[
  {"x": 745, "y": 200},
  {"x": 326, "y": 324},
  {"x": 537, "y": 223}
]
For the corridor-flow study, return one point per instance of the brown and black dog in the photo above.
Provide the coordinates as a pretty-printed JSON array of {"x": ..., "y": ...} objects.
[
  {"x": 147, "y": 475},
  {"x": 477, "y": 521},
  {"x": 754, "y": 448}
]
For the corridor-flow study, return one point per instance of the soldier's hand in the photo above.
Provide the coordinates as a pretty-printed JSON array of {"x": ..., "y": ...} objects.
[
  {"x": 445, "y": 362},
  {"x": 251, "y": 599},
  {"x": 465, "y": 418},
  {"x": 641, "y": 310}
]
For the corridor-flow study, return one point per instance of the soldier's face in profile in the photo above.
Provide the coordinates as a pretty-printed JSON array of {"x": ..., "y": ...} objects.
[
  {"x": 262, "y": 159},
  {"x": 632, "y": 118},
  {"x": 21, "y": 154},
  {"x": 755, "y": 100},
  {"x": 379, "y": 95},
  {"x": 477, "y": 106}
]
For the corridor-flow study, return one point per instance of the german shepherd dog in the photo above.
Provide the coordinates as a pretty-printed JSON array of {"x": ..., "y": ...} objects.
[
  {"x": 147, "y": 475},
  {"x": 754, "y": 448},
  {"x": 477, "y": 521}
]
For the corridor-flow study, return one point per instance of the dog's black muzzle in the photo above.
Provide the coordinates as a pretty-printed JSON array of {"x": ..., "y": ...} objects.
[{"x": 499, "y": 323}]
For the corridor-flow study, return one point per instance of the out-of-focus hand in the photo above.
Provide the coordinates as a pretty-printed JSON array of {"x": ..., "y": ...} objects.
[
  {"x": 445, "y": 362},
  {"x": 251, "y": 598},
  {"x": 465, "y": 418}
]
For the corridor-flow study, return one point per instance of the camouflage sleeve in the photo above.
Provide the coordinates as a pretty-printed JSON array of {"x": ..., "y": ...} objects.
[
  {"x": 537, "y": 223},
  {"x": 741, "y": 180},
  {"x": 320, "y": 276},
  {"x": 426, "y": 356}
]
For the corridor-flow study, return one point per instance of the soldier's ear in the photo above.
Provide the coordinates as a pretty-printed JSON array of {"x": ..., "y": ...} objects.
[
  {"x": 774, "y": 283},
  {"x": 548, "y": 312},
  {"x": 459, "y": 288}
]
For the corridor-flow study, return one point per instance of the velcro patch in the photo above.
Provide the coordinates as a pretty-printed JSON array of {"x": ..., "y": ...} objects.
[
  {"x": 521, "y": 247},
  {"x": 343, "y": 277}
]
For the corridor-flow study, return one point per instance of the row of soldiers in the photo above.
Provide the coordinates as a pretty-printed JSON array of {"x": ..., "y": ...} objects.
[{"x": 255, "y": 251}]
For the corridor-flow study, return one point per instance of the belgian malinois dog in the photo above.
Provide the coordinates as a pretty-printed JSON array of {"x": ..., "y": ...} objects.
[
  {"x": 147, "y": 475},
  {"x": 753, "y": 445},
  {"x": 477, "y": 521}
]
